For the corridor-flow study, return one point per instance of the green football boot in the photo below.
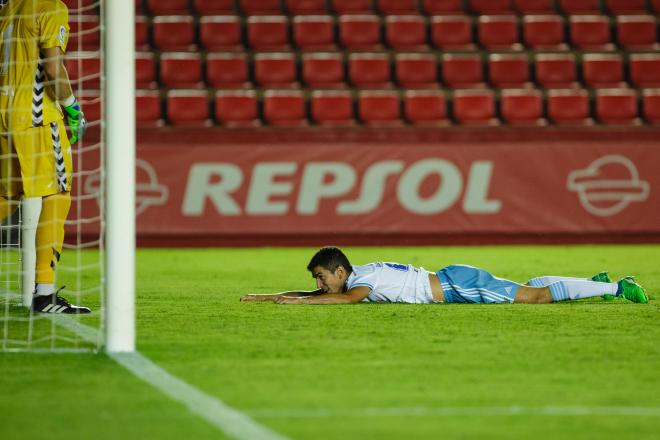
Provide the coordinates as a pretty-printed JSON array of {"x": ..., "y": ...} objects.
[
  {"x": 604, "y": 277},
  {"x": 632, "y": 291}
]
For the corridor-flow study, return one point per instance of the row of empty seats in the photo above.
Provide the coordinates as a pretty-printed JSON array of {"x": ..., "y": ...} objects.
[
  {"x": 470, "y": 107},
  {"x": 385, "y": 7},
  {"x": 379, "y": 70},
  {"x": 399, "y": 32}
]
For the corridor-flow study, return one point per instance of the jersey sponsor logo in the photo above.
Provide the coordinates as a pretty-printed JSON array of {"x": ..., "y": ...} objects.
[
  {"x": 608, "y": 185},
  {"x": 62, "y": 36},
  {"x": 397, "y": 266},
  {"x": 272, "y": 188}
]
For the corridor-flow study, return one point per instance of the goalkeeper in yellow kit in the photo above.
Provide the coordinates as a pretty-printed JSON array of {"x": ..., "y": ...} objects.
[{"x": 35, "y": 153}]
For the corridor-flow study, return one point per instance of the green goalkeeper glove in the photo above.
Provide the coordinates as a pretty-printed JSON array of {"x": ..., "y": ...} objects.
[{"x": 76, "y": 120}]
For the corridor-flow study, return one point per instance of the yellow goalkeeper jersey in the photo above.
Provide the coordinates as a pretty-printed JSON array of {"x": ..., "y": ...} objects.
[{"x": 26, "y": 27}]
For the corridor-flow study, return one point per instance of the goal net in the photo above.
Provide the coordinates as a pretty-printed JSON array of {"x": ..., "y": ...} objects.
[{"x": 83, "y": 266}]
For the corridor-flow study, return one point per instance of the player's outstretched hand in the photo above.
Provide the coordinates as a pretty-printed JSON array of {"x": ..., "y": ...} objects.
[
  {"x": 252, "y": 297},
  {"x": 290, "y": 300},
  {"x": 76, "y": 120}
]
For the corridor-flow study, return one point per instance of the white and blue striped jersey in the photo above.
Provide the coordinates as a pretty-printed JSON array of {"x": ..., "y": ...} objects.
[{"x": 392, "y": 282}]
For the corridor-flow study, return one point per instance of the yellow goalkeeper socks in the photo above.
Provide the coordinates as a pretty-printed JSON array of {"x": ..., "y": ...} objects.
[
  {"x": 7, "y": 208},
  {"x": 50, "y": 236}
]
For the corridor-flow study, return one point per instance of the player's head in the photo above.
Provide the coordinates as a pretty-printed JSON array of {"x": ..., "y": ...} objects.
[{"x": 331, "y": 268}]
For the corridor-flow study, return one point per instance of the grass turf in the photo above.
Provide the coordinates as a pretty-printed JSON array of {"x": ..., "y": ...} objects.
[{"x": 283, "y": 363}]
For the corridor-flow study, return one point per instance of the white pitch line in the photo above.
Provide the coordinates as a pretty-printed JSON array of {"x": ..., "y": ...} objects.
[
  {"x": 477, "y": 411},
  {"x": 232, "y": 422}
]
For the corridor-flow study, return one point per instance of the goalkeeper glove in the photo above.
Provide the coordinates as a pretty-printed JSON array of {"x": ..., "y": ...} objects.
[{"x": 76, "y": 120}]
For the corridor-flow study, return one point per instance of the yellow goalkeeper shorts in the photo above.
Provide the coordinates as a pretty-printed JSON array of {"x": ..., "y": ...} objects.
[{"x": 35, "y": 162}]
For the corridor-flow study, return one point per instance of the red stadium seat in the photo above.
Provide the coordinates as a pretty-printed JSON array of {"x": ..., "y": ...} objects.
[
  {"x": 392, "y": 7},
  {"x": 84, "y": 32},
  {"x": 269, "y": 32},
  {"x": 509, "y": 70},
  {"x": 84, "y": 69},
  {"x": 145, "y": 70},
  {"x": 621, "y": 7},
  {"x": 603, "y": 70},
  {"x": 188, "y": 108},
  {"x": 475, "y": 107},
  {"x": 617, "y": 107},
  {"x": 498, "y": 32},
  {"x": 220, "y": 32},
  {"x": 332, "y": 108},
  {"x": 378, "y": 108},
  {"x": 138, "y": 7},
  {"x": 569, "y": 107},
  {"x": 323, "y": 70},
  {"x": 425, "y": 108},
  {"x": 168, "y": 7},
  {"x": 174, "y": 32},
  {"x": 635, "y": 32},
  {"x": 214, "y": 7},
  {"x": 651, "y": 106},
  {"x": 314, "y": 32},
  {"x": 284, "y": 108},
  {"x": 522, "y": 107},
  {"x": 442, "y": 7},
  {"x": 369, "y": 70},
  {"x": 227, "y": 70},
  {"x": 359, "y": 32},
  {"x": 534, "y": 6},
  {"x": 544, "y": 32},
  {"x": 491, "y": 7},
  {"x": 148, "y": 108},
  {"x": 236, "y": 108},
  {"x": 406, "y": 32},
  {"x": 452, "y": 32},
  {"x": 341, "y": 7},
  {"x": 645, "y": 69},
  {"x": 79, "y": 5},
  {"x": 590, "y": 32},
  {"x": 306, "y": 7},
  {"x": 572, "y": 7},
  {"x": 462, "y": 70},
  {"x": 275, "y": 70},
  {"x": 141, "y": 32},
  {"x": 414, "y": 70},
  {"x": 556, "y": 70},
  {"x": 181, "y": 70},
  {"x": 260, "y": 7}
]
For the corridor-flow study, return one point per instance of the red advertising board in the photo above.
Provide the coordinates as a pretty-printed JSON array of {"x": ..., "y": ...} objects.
[{"x": 427, "y": 189}]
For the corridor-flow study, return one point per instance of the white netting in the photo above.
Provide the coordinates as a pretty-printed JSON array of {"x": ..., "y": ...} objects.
[{"x": 81, "y": 268}]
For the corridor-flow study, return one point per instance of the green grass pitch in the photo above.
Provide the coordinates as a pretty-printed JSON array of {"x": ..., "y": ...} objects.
[{"x": 366, "y": 371}]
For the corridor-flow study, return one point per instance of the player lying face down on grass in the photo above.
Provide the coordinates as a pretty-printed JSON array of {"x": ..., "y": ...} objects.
[{"x": 339, "y": 282}]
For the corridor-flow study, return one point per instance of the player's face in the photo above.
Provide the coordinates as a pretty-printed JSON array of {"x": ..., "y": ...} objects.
[{"x": 329, "y": 282}]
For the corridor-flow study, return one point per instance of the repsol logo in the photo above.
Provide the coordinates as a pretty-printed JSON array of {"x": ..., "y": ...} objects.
[{"x": 274, "y": 189}]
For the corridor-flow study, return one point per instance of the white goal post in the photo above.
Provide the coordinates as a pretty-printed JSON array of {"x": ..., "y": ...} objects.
[{"x": 120, "y": 174}]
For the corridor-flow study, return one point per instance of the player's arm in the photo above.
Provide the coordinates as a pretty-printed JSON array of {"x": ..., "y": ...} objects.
[
  {"x": 59, "y": 79},
  {"x": 274, "y": 296},
  {"x": 352, "y": 296}
]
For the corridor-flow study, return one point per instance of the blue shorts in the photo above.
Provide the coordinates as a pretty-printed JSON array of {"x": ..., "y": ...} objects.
[{"x": 467, "y": 284}]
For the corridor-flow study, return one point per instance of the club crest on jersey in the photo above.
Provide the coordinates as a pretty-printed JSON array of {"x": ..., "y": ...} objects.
[{"x": 62, "y": 36}]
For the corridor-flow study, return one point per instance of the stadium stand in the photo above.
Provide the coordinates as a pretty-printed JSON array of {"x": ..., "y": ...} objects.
[
  {"x": 519, "y": 62},
  {"x": 237, "y": 108},
  {"x": 323, "y": 70},
  {"x": 188, "y": 108},
  {"x": 148, "y": 108},
  {"x": 332, "y": 108},
  {"x": 284, "y": 108},
  {"x": 220, "y": 33},
  {"x": 651, "y": 106},
  {"x": 426, "y": 108}
]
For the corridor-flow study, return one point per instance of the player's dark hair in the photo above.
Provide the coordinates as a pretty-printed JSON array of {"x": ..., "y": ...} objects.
[{"x": 330, "y": 258}]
